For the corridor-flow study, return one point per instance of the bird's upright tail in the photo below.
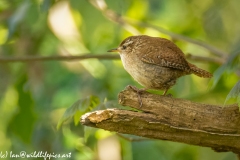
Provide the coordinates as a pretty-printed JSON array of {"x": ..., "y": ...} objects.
[{"x": 199, "y": 72}]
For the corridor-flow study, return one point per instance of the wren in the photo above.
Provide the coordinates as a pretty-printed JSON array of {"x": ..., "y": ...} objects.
[{"x": 155, "y": 63}]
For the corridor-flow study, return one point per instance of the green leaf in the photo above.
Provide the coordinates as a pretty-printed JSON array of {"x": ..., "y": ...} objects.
[
  {"x": 79, "y": 108},
  {"x": 17, "y": 17},
  {"x": 217, "y": 75},
  {"x": 230, "y": 66},
  {"x": 87, "y": 132},
  {"x": 22, "y": 123},
  {"x": 234, "y": 93},
  {"x": 76, "y": 117},
  {"x": 45, "y": 6}
]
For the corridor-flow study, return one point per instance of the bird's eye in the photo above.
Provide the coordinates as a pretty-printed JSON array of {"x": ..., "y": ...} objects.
[{"x": 124, "y": 47}]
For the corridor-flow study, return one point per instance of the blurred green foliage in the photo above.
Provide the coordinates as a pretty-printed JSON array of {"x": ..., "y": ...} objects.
[
  {"x": 79, "y": 108},
  {"x": 35, "y": 95}
]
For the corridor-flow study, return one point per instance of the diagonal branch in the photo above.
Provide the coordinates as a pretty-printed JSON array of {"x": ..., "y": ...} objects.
[
  {"x": 172, "y": 119},
  {"x": 214, "y": 50},
  {"x": 216, "y": 60},
  {"x": 130, "y": 24}
]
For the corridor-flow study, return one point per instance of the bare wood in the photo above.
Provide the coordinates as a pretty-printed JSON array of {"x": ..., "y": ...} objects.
[{"x": 172, "y": 119}]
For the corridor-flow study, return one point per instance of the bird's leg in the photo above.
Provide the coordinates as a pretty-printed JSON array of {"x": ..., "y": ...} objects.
[
  {"x": 165, "y": 92},
  {"x": 139, "y": 92}
]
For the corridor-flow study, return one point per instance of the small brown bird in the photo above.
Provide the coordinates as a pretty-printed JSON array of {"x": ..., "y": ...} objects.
[{"x": 155, "y": 62}]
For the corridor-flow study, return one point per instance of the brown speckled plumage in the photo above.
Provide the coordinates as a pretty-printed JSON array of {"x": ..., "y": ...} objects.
[{"x": 155, "y": 63}]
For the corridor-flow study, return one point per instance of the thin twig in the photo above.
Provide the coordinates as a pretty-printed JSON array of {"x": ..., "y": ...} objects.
[
  {"x": 216, "y": 60},
  {"x": 58, "y": 58},
  {"x": 92, "y": 56},
  {"x": 112, "y": 16},
  {"x": 214, "y": 50}
]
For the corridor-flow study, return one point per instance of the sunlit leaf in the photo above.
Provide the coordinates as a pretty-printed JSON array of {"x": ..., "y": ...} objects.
[
  {"x": 79, "y": 108},
  {"x": 234, "y": 93},
  {"x": 76, "y": 117}
]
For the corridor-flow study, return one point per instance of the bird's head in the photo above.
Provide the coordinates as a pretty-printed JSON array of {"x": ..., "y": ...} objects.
[{"x": 126, "y": 46}]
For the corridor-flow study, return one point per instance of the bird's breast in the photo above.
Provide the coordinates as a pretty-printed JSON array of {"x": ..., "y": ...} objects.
[{"x": 149, "y": 75}]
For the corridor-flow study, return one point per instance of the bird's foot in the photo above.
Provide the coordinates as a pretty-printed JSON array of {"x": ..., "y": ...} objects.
[
  {"x": 169, "y": 95},
  {"x": 165, "y": 93},
  {"x": 139, "y": 92}
]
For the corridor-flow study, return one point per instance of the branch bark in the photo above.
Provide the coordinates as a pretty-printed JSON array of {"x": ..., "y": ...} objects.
[{"x": 172, "y": 119}]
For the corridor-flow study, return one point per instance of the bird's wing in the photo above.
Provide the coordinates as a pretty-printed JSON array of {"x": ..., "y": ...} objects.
[{"x": 166, "y": 55}]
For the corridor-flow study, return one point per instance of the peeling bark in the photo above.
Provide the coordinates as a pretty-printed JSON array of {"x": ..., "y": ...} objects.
[{"x": 168, "y": 118}]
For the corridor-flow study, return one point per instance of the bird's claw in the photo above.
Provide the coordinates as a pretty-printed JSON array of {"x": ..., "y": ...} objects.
[{"x": 139, "y": 92}]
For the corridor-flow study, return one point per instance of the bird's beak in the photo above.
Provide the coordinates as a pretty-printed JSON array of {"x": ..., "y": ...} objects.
[{"x": 113, "y": 50}]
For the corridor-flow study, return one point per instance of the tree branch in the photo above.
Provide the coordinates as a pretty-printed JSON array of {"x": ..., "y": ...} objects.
[
  {"x": 58, "y": 58},
  {"x": 26, "y": 59},
  {"x": 172, "y": 119}
]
